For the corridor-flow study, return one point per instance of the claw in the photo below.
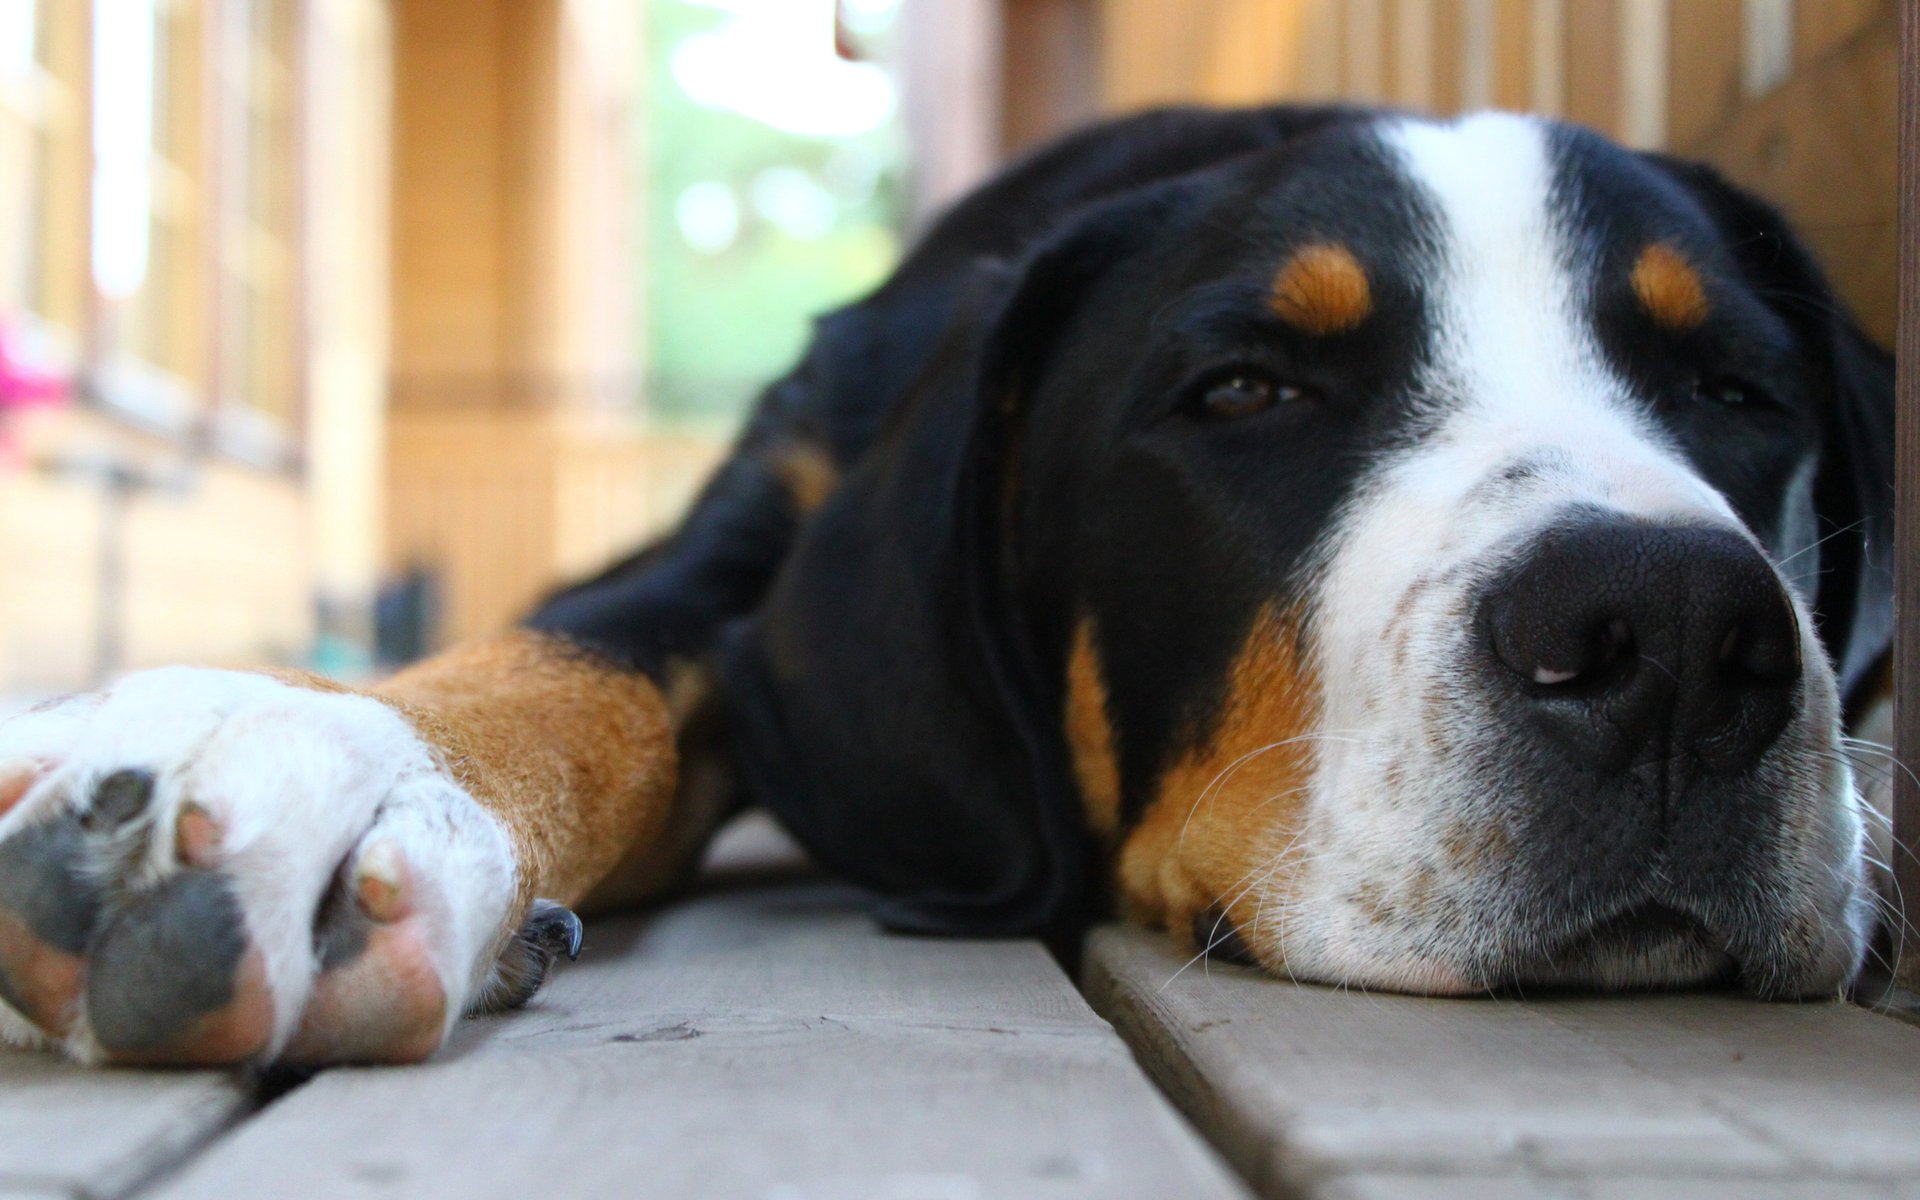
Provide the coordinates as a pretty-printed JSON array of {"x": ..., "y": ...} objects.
[
  {"x": 549, "y": 931},
  {"x": 555, "y": 929}
]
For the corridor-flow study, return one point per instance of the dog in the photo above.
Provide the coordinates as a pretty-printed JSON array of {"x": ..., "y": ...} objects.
[{"x": 1439, "y": 556}]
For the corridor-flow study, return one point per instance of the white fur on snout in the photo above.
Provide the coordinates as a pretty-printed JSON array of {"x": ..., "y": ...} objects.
[
  {"x": 297, "y": 780},
  {"x": 1523, "y": 423}
]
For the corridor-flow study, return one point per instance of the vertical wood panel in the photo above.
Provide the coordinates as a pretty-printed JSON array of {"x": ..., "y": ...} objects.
[
  {"x": 1766, "y": 39},
  {"x": 1050, "y": 78},
  {"x": 1703, "y": 68},
  {"x": 1447, "y": 55},
  {"x": 1320, "y": 50},
  {"x": 1250, "y": 52},
  {"x": 1547, "y": 37},
  {"x": 1512, "y": 54},
  {"x": 1593, "y": 62},
  {"x": 1410, "y": 52},
  {"x": 1644, "y": 34},
  {"x": 1477, "y": 62},
  {"x": 1822, "y": 25},
  {"x": 1364, "y": 38},
  {"x": 1906, "y": 745}
]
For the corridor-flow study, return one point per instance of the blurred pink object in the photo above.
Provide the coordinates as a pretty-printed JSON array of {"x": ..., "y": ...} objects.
[{"x": 21, "y": 387}]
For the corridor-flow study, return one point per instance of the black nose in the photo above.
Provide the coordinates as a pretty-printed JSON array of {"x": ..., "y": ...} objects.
[{"x": 1631, "y": 642}]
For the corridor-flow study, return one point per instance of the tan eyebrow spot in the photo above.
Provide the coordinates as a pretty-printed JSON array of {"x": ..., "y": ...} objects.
[
  {"x": 1322, "y": 289},
  {"x": 1669, "y": 288}
]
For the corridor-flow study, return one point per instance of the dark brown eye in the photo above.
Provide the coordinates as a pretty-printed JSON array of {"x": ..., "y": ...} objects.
[
  {"x": 1243, "y": 395},
  {"x": 1728, "y": 393}
]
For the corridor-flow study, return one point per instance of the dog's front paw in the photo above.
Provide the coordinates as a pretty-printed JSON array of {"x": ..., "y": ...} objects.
[{"x": 202, "y": 867}]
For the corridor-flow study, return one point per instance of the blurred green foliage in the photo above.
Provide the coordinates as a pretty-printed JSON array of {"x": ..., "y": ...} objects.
[{"x": 724, "y": 319}]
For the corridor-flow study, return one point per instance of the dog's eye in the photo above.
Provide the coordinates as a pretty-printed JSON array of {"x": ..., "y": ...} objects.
[
  {"x": 1728, "y": 393},
  {"x": 1243, "y": 394}
]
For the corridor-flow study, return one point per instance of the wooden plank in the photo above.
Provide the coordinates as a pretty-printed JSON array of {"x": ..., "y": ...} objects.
[
  {"x": 1547, "y": 55},
  {"x": 74, "y": 1132},
  {"x": 1513, "y": 48},
  {"x": 1821, "y": 25},
  {"x": 1592, "y": 54},
  {"x": 1906, "y": 557},
  {"x": 1323, "y": 1092},
  {"x": 1249, "y": 52},
  {"x": 1409, "y": 53},
  {"x": 1049, "y": 70},
  {"x": 1703, "y": 67},
  {"x": 757, "y": 1041},
  {"x": 1645, "y": 33},
  {"x": 1643, "y": 1187},
  {"x": 1822, "y": 147},
  {"x": 1320, "y": 50},
  {"x": 1766, "y": 44},
  {"x": 1363, "y": 39},
  {"x": 1447, "y": 56}
]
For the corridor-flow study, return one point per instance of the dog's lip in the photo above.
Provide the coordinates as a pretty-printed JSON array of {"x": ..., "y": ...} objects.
[
  {"x": 1632, "y": 932},
  {"x": 1619, "y": 953},
  {"x": 1643, "y": 924}
]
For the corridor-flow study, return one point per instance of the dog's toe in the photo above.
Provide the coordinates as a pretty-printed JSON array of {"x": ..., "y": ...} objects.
[
  {"x": 379, "y": 997},
  {"x": 49, "y": 906},
  {"x": 172, "y": 977}
]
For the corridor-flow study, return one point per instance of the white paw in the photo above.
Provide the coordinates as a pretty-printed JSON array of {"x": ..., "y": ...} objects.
[{"x": 206, "y": 866}]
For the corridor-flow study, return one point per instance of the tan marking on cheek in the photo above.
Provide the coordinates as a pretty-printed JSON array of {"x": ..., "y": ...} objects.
[
  {"x": 1229, "y": 805},
  {"x": 1090, "y": 732},
  {"x": 1669, "y": 288},
  {"x": 808, "y": 472},
  {"x": 1322, "y": 289}
]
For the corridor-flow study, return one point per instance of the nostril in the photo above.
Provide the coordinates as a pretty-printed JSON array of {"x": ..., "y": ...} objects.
[
  {"x": 1605, "y": 652},
  {"x": 1760, "y": 652}
]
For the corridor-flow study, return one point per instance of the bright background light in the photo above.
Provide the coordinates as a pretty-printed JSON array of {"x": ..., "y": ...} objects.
[
  {"x": 122, "y": 143},
  {"x": 16, "y": 39},
  {"x": 771, "y": 62}
]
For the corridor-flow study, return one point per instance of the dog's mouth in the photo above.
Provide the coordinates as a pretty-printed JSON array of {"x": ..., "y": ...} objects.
[
  {"x": 1643, "y": 925},
  {"x": 1648, "y": 947}
]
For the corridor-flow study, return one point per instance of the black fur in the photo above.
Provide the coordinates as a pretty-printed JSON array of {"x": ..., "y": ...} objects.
[{"x": 1009, "y": 414}]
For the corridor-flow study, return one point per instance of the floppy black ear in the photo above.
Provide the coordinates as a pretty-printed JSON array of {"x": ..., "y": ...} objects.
[
  {"x": 1853, "y": 492},
  {"x": 886, "y": 701}
]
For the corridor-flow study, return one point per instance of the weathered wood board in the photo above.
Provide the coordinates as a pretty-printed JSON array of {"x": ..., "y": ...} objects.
[
  {"x": 766, "y": 1042},
  {"x": 65, "y": 1131},
  {"x": 1323, "y": 1092}
]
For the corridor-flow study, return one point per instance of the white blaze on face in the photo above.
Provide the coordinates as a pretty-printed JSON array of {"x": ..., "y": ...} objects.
[
  {"x": 1524, "y": 420},
  {"x": 1517, "y": 369}
]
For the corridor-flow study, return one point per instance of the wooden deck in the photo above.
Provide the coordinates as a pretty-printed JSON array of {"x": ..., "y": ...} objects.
[{"x": 762, "y": 1039}]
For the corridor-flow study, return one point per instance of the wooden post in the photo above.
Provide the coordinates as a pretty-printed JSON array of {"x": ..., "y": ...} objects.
[{"x": 1906, "y": 711}]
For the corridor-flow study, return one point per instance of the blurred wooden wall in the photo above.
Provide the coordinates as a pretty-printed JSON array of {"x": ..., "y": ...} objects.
[
  {"x": 514, "y": 456},
  {"x": 1794, "y": 98}
]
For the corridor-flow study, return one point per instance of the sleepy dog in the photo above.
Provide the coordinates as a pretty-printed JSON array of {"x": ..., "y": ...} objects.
[{"x": 1426, "y": 555}]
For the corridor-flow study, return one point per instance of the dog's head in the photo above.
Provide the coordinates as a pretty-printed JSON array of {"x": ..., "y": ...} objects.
[{"x": 1437, "y": 556}]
